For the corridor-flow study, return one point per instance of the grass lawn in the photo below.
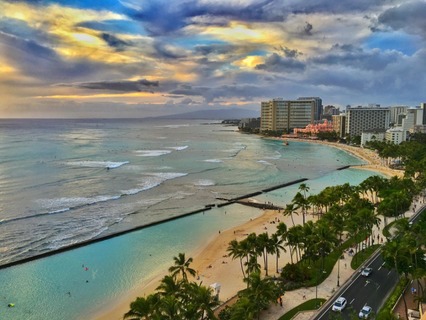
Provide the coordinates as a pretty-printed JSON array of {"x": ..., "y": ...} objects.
[
  {"x": 363, "y": 255},
  {"x": 312, "y": 304}
]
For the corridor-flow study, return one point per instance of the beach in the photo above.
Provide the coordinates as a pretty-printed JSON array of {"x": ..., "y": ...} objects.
[{"x": 214, "y": 266}]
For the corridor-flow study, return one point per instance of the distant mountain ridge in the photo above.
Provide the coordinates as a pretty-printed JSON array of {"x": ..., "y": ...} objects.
[{"x": 219, "y": 114}]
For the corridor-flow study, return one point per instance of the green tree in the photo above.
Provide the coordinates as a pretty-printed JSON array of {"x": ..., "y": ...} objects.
[
  {"x": 261, "y": 292},
  {"x": 142, "y": 308},
  {"x": 182, "y": 267},
  {"x": 277, "y": 241},
  {"x": 235, "y": 251},
  {"x": 289, "y": 210}
]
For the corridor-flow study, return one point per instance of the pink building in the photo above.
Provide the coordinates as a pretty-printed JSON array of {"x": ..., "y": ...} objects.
[{"x": 313, "y": 129}]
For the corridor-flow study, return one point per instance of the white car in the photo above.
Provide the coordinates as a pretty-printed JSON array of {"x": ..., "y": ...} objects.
[
  {"x": 366, "y": 272},
  {"x": 339, "y": 304},
  {"x": 365, "y": 312}
]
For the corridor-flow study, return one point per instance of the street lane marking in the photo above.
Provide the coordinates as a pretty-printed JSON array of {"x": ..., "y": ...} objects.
[
  {"x": 381, "y": 266},
  {"x": 352, "y": 301}
]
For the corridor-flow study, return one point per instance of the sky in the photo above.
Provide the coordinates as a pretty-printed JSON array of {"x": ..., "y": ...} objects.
[{"x": 139, "y": 58}]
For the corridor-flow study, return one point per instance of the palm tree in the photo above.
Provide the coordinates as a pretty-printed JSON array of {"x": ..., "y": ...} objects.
[
  {"x": 202, "y": 299},
  {"x": 261, "y": 292},
  {"x": 325, "y": 240},
  {"x": 243, "y": 309},
  {"x": 335, "y": 217},
  {"x": 277, "y": 246},
  {"x": 182, "y": 266},
  {"x": 169, "y": 285},
  {"x": 303, "y": 187},
  {"x": 235, "y": 250},
  {"x": 142, "y": 308},
  {"x": 252, "y": 266},
  {"x": 289, "y": 210},
  {"x": 294, "y": 239},
  {"x": 170, "y": 308},
  {"x": 282, "y": 230},
  {"x": 301, "y": 202},
  {"x": 263, "y": 247}
]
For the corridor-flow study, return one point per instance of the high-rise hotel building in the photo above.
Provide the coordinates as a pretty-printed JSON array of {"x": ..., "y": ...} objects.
[
  {"x": 362, "y": 119},
  {"x": 284, "y": 115}
]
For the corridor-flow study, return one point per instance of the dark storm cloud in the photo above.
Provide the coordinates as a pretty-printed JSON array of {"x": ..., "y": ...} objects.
[
  {"x": 114, "y": 41},
  {"x": 243, "y": 92},
  {"x": 308, "y": 28},
  {"x": 122, "y": 86},
  {"x": 278, "y": 63},
  {"x": 410, "y": 17},
  {"x": 161, "y": 17},
  {"x": 187, "y": 101},
  {"x": 41, "y": 61},
  {"x": 44, "y": 64},
  {"x": 341, "y": 6},
  {"x": 289, "y": 53},
  {"x": 357, "y": 58},
  {"x": 21, "y": 29},
  {"x": 164, "y": 51},
  {"x": 214, "y": 49},
  {"x": 339, "y": 79},
  {"x": 166, "y": 17}
]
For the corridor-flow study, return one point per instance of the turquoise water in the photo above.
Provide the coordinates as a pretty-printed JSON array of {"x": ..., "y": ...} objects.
[
  {"x": 56, "y": 287},
  {"x": 67, "y": 181},
  {"x": 40, "y": 288}
]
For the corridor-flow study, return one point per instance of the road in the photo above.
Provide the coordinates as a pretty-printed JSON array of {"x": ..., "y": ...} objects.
[
  {"x": 371, "y": 290},
  {"x": 359, "y": 291}
]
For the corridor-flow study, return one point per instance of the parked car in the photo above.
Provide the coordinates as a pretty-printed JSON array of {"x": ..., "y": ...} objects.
[
  {"x": 339, "y": 304},
  {"x": 365, "y": 312},
  {"x": 366, "y": 272}
]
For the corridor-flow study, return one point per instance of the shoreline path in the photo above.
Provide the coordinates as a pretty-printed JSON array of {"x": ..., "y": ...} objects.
[{"x": 214, "y": 266}]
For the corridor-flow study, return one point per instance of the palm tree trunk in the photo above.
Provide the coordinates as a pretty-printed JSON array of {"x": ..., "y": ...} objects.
[
  {"x": 277, "y": 262},
  {"x": 405, "y": 302},
  {"x": 242, "y": 267},
  {"x": 266, "y": 263}
]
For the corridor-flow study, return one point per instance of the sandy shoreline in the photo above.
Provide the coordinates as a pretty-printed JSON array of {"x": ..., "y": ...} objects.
[{"x": 211, "y": 261}]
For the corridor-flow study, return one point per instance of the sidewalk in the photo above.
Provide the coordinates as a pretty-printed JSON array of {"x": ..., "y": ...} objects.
[
  {"x": 326, "y": 290},
  {"x": 328, "y": 287}
]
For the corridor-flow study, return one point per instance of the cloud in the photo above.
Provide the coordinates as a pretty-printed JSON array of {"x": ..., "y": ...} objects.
[
  {"x": 164, "y": 17},
  {"x": 167, "y": 51},
  {"x": 308, "y": 28},
  {"x": 278, "y": 63},
  {"x": 335, "y": 7},
  {"x": 114, "y": 41},
  {"x": 358, "y": 58},
  {"x": 409, "y": 16},
  {"x": 122, "y": 86}
]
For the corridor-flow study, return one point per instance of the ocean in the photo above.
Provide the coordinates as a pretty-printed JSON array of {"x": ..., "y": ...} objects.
[{"x": 67, "y": 181}]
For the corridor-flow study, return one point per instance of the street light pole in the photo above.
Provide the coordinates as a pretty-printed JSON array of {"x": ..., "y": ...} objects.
[{"x": 338, "y": 272}]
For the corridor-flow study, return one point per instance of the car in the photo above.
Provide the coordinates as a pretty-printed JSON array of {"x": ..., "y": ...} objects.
[
  {"x": 339, "y": 304},
  {"x": 366, "y": 272},
  {"x": 365, "y": 312}
]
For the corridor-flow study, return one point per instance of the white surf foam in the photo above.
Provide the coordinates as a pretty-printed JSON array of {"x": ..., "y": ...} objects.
[
  {"x": 265, "y": 162},
  {"x": 213, "y": 160},
  {"x": 97, "y": 164},
  {"x": 152, "y": 153},
  {"x": 63, "y": 204},
  {"x": 204, "y": 183},
  {"x": 179, "y": 148}
]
